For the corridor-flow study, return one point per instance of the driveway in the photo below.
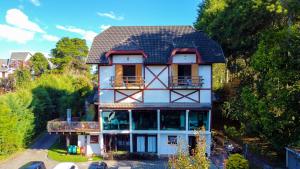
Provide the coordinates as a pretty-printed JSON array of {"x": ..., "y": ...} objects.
[{"x": 37, "y": 152}]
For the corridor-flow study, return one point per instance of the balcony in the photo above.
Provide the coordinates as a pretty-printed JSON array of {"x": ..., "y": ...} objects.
[
  {"x": 74, "y": 126},
  {"x": 127, "y": 82},
  {"x": 185, "y": 82}
]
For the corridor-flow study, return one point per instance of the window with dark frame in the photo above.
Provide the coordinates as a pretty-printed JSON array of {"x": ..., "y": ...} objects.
[
  {"x": 94, "y": 139},
  {"x": 129, "y": 70},
  {"x": 172, "y": 139},
  {"x": 184, "y": 70}
]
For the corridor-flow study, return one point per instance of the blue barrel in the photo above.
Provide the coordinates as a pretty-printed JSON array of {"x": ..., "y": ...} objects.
[{"x": 70, "y": 149}]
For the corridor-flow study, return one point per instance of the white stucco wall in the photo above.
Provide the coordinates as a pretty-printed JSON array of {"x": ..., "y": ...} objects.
[
  {"x": 156, "y": 96},
  {"x": 106, "y": 72},
  {"x": 106, "y": 96},
  {"x": 205, "y": 96},
  {"x": 166, "y": 148},
  {"x": 184, "y": 58},
  {"x": 127, "y": 59},
  {"x": 81, "y": 140},
  {"x": 205, "y": 72},
  {"x": 92, "y": 148},
  {"x": 156, "y": 70}
]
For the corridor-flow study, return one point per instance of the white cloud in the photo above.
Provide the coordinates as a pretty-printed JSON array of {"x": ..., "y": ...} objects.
[
  {"x": 15, "y": 34},
  {"x": 103, "y": 27},
  {"x": 19, "y": 19},
  {"x": 50, "y": 38},
  {"x": 86, "y": 34},
  {"x": 35, "y": 2},
  {"x": 110, "y": 15}
]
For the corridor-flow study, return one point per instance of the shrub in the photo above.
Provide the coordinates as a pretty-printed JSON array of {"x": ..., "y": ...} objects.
[{"x": 237, "y": 161}]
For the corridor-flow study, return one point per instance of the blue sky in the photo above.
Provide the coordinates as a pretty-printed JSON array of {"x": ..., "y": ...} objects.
[{"x": 36, "y": 25}]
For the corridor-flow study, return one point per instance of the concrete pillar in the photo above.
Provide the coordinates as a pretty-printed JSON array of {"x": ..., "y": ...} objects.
[
  {"x": 100, "y": 120},
  {"x": 130, "y": 131},
  {"x": 68, "y": 140},
  {"x": 101, "y": 144},
  {"x": 158, "y": 132},
  {"x": 187, "y": 126},
  {"x": 209, "y": 120}
]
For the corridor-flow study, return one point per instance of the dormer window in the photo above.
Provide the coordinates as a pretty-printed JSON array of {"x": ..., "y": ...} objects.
[
  {"x": 127, "y": 76},
  {"x": 129, "y": 70},
  {"x": 185, "y": 76}
]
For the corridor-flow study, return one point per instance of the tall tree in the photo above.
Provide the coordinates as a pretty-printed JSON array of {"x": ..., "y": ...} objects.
[
  {"x": 39, "y": 63},
  {"x": 70, "y": 53},
  {"x": 261, "y": 43}
]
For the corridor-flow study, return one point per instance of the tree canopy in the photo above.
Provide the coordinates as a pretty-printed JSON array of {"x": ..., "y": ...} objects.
[
  {"x": 39, "y": 63},
  {"x": 70, "y": 53},
  {"x": 261, "y": 42}
]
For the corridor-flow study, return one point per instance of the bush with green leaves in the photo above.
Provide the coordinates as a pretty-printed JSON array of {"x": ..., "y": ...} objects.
[
  {"x": 25, "y": 112},
  {"x": 237, "y": 161}
]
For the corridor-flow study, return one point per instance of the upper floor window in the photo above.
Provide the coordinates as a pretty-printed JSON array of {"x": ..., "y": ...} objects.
[
  {"x": 128, "y": 76},
  {"x": 185, "y": 76},
  {"x": 129, "y": 70}
]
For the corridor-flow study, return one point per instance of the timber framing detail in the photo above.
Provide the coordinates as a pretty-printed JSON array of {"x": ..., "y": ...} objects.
[
  {"x": 122, "y": 95},
  {"x": 188, "y": 96},
  {"x": 156, "y": 77}
]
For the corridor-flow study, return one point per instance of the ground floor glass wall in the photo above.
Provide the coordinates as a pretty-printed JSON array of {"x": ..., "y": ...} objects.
[
  {"x": 172, "y": 120},
  {"x": 115, "y": 120},
  {"x": 198, "y": 119},
  {"x": 144, "y": 120}
]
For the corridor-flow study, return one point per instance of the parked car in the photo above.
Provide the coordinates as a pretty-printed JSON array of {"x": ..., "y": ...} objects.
[
  {"x": 66, "y": 165},
  {"x": 98, "y": 165},
  {"x": 34, "y": 165}
]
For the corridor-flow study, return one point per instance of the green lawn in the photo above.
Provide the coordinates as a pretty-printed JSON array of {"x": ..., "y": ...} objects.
[{"x": 58, "y": 152}]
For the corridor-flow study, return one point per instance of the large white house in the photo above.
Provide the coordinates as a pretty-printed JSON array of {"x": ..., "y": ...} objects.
[{"x": 155, "y": 89}]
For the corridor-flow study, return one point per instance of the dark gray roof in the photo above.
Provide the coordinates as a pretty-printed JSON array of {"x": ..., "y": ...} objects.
[
  {"x": 156, "y": 41},
  {"x": 19, "y": 55},
  {"x": 4, "y": 62}
]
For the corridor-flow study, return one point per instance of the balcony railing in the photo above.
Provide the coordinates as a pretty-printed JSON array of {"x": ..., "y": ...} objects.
[
  {"x": 183, "y": 82},
  {"x": 74, "y": 126},
  {"x": 127, "y": 82}
]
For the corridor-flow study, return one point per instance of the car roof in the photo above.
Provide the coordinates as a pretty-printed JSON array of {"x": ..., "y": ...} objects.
[
  {"x": 31, "y": 164},
  {"x": 63, "y": 165}
]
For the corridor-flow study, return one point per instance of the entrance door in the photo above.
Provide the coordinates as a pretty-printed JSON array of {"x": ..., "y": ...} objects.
[
  {"x": 192, "y": 144},
  {"x": 151, "y": 144},
  {"x": 140, "y": 140}
]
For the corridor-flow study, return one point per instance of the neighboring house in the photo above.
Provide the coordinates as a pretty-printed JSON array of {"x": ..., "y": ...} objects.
[
  {"x": 155, "y": 89},
  {"x": 19, "y": 59},
  {"x": 4, "y": 69}
]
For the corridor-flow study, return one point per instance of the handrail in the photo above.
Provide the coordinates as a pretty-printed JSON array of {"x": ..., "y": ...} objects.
[
  {"x": 185, "y": 81},
  {"x": 127, "y": 81},
  {"x": 64, "y": 126}
]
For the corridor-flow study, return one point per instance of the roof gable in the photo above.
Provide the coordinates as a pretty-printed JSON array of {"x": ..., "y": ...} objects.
[{"x": 157, "y": 42}]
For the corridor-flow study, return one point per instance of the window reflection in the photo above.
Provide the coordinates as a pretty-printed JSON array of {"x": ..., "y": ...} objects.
[
  {"x": 172, "y": 120},
  {"x": 116, "y": 120},
  {"x": 198, "y": 119},
  {"x": 144, "y": 120}
]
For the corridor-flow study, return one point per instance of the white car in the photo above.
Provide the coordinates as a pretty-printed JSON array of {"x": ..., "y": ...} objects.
[{"x": 66, "y": 166}]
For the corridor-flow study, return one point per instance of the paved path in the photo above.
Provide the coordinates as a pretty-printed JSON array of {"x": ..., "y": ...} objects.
[{"x": 37, "y": 152}]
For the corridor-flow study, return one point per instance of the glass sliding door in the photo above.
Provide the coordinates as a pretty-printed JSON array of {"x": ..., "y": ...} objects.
[
  {"x": 172, "y": 120},
  {"x": 151, "y": 144},
  {"x": 140, "y": 142}
]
